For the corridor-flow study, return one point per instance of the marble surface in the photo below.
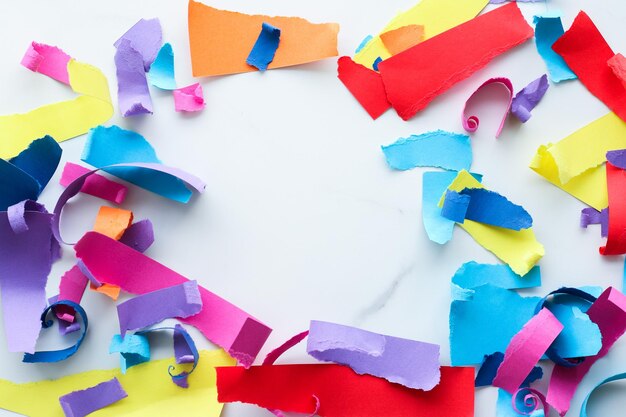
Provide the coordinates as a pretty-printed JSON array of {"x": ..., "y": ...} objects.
[{"x": 302, "y": 219}]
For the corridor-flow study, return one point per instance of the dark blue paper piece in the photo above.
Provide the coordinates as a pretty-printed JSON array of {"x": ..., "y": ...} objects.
[
  {"x": 455, "y": 206},
  {"x": 489, "y": 368},
  {"x": 264, "y": 49}
]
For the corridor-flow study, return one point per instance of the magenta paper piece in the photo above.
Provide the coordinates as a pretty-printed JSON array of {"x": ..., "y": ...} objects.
[
  {"x": 96, "y": 185},
  {"x": 84, "y": 402},
  {"x": 407, "y": 362},
  {"x": 71, "y": 288},
  {"x": 609, "y": 313},
  {"x": 189, "y": 98},
  {"x": 133, "y": 94},
  {"x": 25, "y": 262},
  {"x": 179, "y": 301},
  {"x": 224, "y": 324},
  {"x": 139, "y": 235},
  {"x": 47, "y": 60},
  {"x": 528, "y": 98},
  {"x": 470, "y": 123},
  {"x": 146, "y": 38},
  {"x": 526, "y": 349},
  {"x": 531, "y": 401},
  {"x": 276, "y": 353}
]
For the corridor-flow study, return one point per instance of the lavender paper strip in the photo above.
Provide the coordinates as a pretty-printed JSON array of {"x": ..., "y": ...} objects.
[
  {"x": 133, "y": 94},
  {"x": 617, "y": 158},
  {"x": 528, "y": 97},
  {"x": 84, "y": 402},
  {"x": 407, "y": 362},
  {"x": 146, "y": 38},
  {"x": 139, "y": 236},
  {"x": 589, "y": 215}
]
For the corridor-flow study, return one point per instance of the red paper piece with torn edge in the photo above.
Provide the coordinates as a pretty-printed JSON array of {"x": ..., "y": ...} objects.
[
  {"x": 95, "y": 185},
  {"x": 401, "y": 39},
  {"x": 365, "y": 85},
  {"x": 616, "y": 185},
  {"x": 586, "y": 52},
  {"x": 343, "y": 393},
  {"x": 609, "y": 313},
  {"x": 224, "y": 324},
  {"x": 618, "y": 65},
  {"x": 470, "y": 123},
  {"x": 416, "y": 76}
]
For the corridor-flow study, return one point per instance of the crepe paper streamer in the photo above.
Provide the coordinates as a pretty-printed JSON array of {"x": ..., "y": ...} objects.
[
  {"x": 133, "y": 94},
  {"x": 112, "y": 221},
  {"x": 489, "y": 368},
  {"x": 133, "y": 348},
  {"x": 616, "y": 240},
  {"x": 181, "y": 301},
  {"x": 617, "y": 377},
  {"x": 439, "y": 149},
  {"x": 231, "y": 36},
  {"x": 525, "y": 350},
  {"x": 365, "y": 85},
  {"x": 518, "y": 249},
  {"x": 416, "y": 76},
  {"x": 189, "y": 99},
  {"x": 617, "y": 63},
  {"x": 402, "y": 38},
  {"x": 63, "y": 120},
  {"x": 341, "y": 392},
  {"x": 47, "y": 60},
  {"x": 139, "y": 236},
  {"x": 146, "y": 38},
  {"x": 411, "y": 363},
  {"x": 49, "y": 356},
  {"x": 96, "y": 185},
  {"x": 589, "y": 215},
  {"x": 149, "y": 393},
  {"x": 473, "y": 274},
  {"x": 487, "y": 207},
  {"x": 548, "y": 28},
  {"x": 471, "y": 123},
  {"x": 609, "y": 313},
  {"x": 273, "y": 356},
  {"x": 435, "y": 16},
  {"x": 264, "y": 49},
  {"x": 162, "y": 73},
  {"x": 84, "y": 402},
  {"x": 224, "y": 324},
  {"x": 586, "y": 52},
  {"x": 528, "y": 97},
  {"x": 486, "y": 323}
]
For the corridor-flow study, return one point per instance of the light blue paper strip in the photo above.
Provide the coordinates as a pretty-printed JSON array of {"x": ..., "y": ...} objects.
[
  {"x": 583, "y": 408},
  {"x": 504, "y": 406},
  {"x": 548, "y": 28},
  {"x": 161, "y": 73},
  {"x": 473, "y": 274},
  {"x": 264, "y": 49},
  {"x": 580, "y": 336},
  {"x": 364, "y": 42}
]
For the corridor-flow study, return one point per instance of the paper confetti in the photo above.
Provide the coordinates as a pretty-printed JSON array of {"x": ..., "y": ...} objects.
[
  {"x": 528, "y": 97},
  {"x": 84, "y": 402},
  {"x": 548, "y": 28}
]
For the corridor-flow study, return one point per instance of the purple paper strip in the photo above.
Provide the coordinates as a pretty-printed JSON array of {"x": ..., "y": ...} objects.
[
  {"x": 182, "y": 350},
  {"x": 139, "y": 236},
  {"x": 617, "y": 158},
  {"x": 146, "y": 38},
  {"x": 589, "y": 215},
  {"x": 133, "y": 95},
  {"x": 407, "y": 362},
  {"x": 85, "y": 402},
  {"x": 528, "y": 97},
  {"x": 179, "y": 301}
]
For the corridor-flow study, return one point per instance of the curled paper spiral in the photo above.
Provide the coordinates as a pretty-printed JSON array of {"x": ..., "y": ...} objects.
[
  {"x": 470, "y": 123},
  {"x": 530, "y": 400}
]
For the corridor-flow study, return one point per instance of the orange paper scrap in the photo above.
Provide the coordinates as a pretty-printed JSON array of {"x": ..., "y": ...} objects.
[
  {"x": 113, "y": 222},
  {"x": 403, "y": 38}
]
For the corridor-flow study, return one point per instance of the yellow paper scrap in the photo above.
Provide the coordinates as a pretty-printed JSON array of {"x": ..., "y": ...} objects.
[
  {"x": 63, "y": 120},
  {"x": 150, "y": 391},
  {"x": 519, "y": 249},
  {"x": 436, "y": 16}
]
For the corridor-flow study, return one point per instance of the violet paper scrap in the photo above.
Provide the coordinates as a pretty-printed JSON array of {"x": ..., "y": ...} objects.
[
  {"x": 84, "y": 402},
  {"x": 528, "y": 98},
  {"x": 133, "y": 94},
  {"x": 407, "y": 362},
  {"x": 146, "y": 38}
]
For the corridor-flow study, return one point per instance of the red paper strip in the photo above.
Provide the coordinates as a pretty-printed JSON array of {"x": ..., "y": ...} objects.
[
  {"x": 343, "y": 393},
  {"x": 416, "y": 76},
  {"x": 616, "y": 185},
  {"x": 586, "y": 52},
  {"x": 364, "y": 84}
]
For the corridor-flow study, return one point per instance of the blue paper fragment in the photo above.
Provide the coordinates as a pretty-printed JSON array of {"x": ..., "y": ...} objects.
[
  {"x": 455, "y": 206},
  {"x": 40, "y": 160},
  {"x": 161, "y": 73},
  {"x": 504, "y": 406},
  {"x": 580, "y": 336},
  {"x": 264, "y": 49},
  {"x": 528, "y": 98},
  {"x": 364, "y": 42},
  {"x": 133, "y": 349},
  {"x": 489, "y": 368},
  {"x": 439, "y": 149},
  {"x": 460, "y": 293},
  {"x": 548, "y": 28},
  {"x": 473, "y": 274},
  {"x": 113, "y": 145},
  {"x": 15, "y": 185},
  {"x": 376, "y": 62}
]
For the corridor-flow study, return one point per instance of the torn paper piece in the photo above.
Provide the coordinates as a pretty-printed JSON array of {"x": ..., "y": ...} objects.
[
  {"x": 139, "y": 236},
  {"x": 580, "y": 337},
  {"x": 264, "y": 49},
  {"x": 365, "y": 85},
  {"x": 111, "y": 291},
  {"x": 617, "y": 158},
  {"x": 133, "y": 349},
  {"x": 472, "y": 274},
  {"x": 189, "y": 99},
  {"x": 487, "y": 207},
  {"x": 341, "y": 392},
  {"x": 548, "y": 28},
  {"x": 617, "y": 63},
  {"x": 435, "y": 16},
  {"x": 526, "y": 401},
  {"x": 133, "y": 94},
  {"x": 273, "y": 355},
  {"x": 47, "y": 60},
  {"x": 241, "y": 335},
  {"x": 162, "y": 73},
  {"x": 231, "y": 36},
  {"x": 528, "y": 98},
  {"x": 150, "y": 393},
  {"x": 71, "y": 288},
  {"x": 518, "y": 249},
  {"x": 525, "y": 350},
  {"x": 586, "y": 52},
  {"x": 439, "y": 149},
  {"x": 489, "y": 368},
  {"x": 609, "y": 313},
  {"x": 401, "y": 39},
  {"x": 406, "y": 362},
  {"x": 86, "y": 401},
  {"x": 112, "y": 221},
  {"x": 178, "y": 301},
  {"x": 63, "y": 120},
  {"x": 589, "y": 215},
  {"x": 413, "y": 78},
  {"x": 96, "y": 185},
  {"x": 616, "y": 239},
  {"x": 146, "y": 38},
  {"x": 471, "y": 123},
  {"x": 617, "y": 377},
  {"x": 486, "y": 323}
]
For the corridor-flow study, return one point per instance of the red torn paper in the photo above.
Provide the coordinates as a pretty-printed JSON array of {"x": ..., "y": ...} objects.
[
  {"x": 416, "y": 76},
  {"x": 343, "y": 393},
  {"x": 364, "y": 84},
  {"x": 586, "y": 52},
  {"x": 616, "y": 184},
  {"x": 617, "y": 64}
]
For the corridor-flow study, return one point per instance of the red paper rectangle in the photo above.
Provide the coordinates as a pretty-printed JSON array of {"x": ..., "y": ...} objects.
[{"x": 616, "y": 186}]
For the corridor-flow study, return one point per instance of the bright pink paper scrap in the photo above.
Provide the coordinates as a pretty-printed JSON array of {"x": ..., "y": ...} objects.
[
  {"x": 189, "y": 98},
  {"x": 47, "y": 60},
  {"x": 71, "y": 288},
  {"x": 95, "y": 185},
  {"x": 470, "y": 123}
]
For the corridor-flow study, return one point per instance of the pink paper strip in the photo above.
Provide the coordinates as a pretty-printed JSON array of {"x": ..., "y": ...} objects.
[
  {"x": 224, "y": 324},
  {"x": 470, "y": 123},
  {"x": 189, "y": 98},
  {"x": 609, "y": 313},
  {"x": 47, "y": 60},
  {"x": 525, "y": 350},
  {"x": 96, "y": 184},
  {"x": 71, "y": 288}
]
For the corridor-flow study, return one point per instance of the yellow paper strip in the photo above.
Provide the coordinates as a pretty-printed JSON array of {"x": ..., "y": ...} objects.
[
  {"x": 519, "y": 249},
  {"x": 150, "y": 389},
  {"x": 436, "y": 16}
]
